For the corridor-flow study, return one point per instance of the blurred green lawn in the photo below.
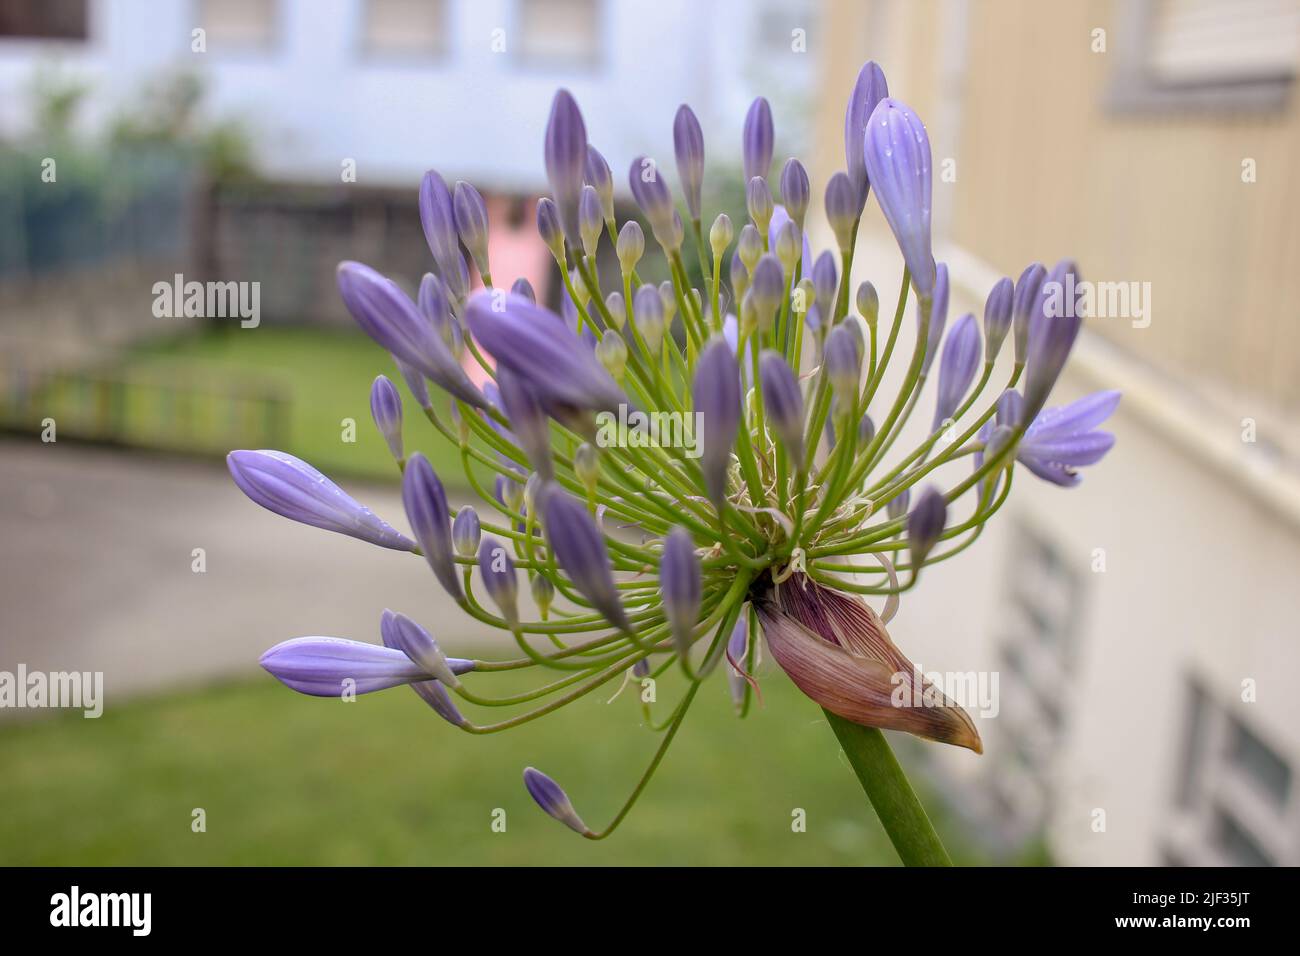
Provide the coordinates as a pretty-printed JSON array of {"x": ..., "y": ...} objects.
[
  {"x": 286, "y": 779},
  {"x": 326, "y": 375}
]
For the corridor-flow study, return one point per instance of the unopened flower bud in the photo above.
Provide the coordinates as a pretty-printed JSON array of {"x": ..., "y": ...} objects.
[
  {"x": 720, "y": 235},
  {"x": 648, "y": 313},
  {"x": 612, "y": 352},
  {"x": 500, "y": 579},
  {"x": 630, "y": 246},
  {"x": 466, "y": 532},
  {"x": 550, "y": 796},
  {"x": 868, "y": 304},
  {"x": 925, "y": 524},
  {"x": 550, "y": 228},
  {"x": 543, "y": 594},
  {"x": 386, "y": 409},
  {"x": 842, "y": 209},
  {"x": 796, "y": 192},
  {"x": 591, "y": 220},
  {"x": 758, "y": 202}
]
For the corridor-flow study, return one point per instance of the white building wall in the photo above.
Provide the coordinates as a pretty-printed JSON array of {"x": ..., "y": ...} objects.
[{"x": 315, "y": 97}]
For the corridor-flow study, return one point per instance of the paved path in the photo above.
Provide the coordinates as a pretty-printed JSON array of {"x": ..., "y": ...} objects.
[{"x": 95, "y": 571}]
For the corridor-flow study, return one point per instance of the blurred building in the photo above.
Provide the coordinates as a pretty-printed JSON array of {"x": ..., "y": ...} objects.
[
  {"x": 1144, "y": 624},
  {"x": 397, "y": 86}
]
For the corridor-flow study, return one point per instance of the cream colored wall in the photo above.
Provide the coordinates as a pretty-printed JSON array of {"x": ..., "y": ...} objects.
[{"x": 1201, "y": 533}]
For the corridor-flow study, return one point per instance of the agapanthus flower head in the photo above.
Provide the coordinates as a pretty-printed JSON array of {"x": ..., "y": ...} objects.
[{"x": 685, "y": 476}]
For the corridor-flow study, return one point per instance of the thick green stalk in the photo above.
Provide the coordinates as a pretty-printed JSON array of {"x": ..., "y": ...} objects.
[{"x": 890, "y": 793}]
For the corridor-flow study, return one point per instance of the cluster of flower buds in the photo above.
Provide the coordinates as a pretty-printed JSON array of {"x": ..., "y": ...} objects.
[{"x": 785, "y": 506}]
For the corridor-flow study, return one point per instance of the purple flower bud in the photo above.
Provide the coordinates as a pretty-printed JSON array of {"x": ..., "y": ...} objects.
[
  {"x": 1025, "y": 304},
  {"x": 294, "y": 489},
  {"x": 552, "y": 798},
  {"x": 403, "y": 634},
  {"x": 533, "y": 342},
  {"x": 925, "y": 524},
  {"x": 466, "y": 531},
  {"x": 641, "y": 669},
  {"x": 842, "y": 209},
  {"x": 472, "y": 223},
  {"x": 681, "y": 585},
  {"x": 758, "y": 202},
  {"x": 897, "y": 157},
  {"x": 758, "y": 139},
  {"x": 566, "y": 159},
  {"x": 438, "y": 217},
  {"x": 868, "y": 303},
  {"x": 868, "y": 91},
  {"x": 957, "y": 368},
  {"x": 388, "y": 316},
  {"x": 528, "y": 422},
  {"x": 648, "y": 313},
  {"x": 522, "y": 287},
  {"x": 866, "y": 431},
  {"x": 997, "y": 317},
  {"x": 433, "y": 693},
  {"x": 550, "y": 228},
  {"x": 386, "y": 409},
  {"x": 716, "y": 388},
  {"x": 321, "y": 666},
  {"x": 825, "y": 278},
  {"x": 434, "y": 304},
  {"x": 414, "y": 382},
  {"x": 580, "y": 550},
  {"x": 898, "y": 505},
  {"x": 599, "y": 176},
  {"x": 938, "y": 316},
  {"x": 796, "y": 191},
  {"x": 767, "y": 288},
  {"x": 652, "y": 195},
  {"x": 499, "y": 578},
  {"x": 1051, "y": 336},
  {"x": 426, "y": 509},
  {"x": 783, "y": 402},
  {"x": 688, "y": 143},
  {"x": 842, "y": 360},
  {"x": 591, "y": 220}
]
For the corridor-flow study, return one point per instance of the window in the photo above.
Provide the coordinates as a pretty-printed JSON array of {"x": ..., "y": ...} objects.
[
  {"x": 558, "y": 32},
  {"x": 1036, "y": 657},
  {"x": 43, "y": 19},
  {"x": 238, "y": 24},
  {"x": 1235, "y": 803},
  {"x": 1198, "y": 54},
  {"x": 406, "y": 28}
]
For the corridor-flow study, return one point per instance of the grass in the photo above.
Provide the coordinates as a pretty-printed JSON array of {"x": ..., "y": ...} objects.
[
  {"x": 326, "y": 376},
  {"x": 290, "y": 780}
]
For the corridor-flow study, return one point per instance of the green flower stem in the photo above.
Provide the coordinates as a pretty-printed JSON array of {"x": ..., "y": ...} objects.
[{"x": 887, "y": 787}]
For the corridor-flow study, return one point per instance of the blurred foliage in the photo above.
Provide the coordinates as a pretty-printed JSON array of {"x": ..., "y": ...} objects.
[
  {"x": 168, "y": 113},
  {"x": 285, "y": 779},
  {"x": 121, "y": 194},
  {"x": 325, "y": 374}
]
